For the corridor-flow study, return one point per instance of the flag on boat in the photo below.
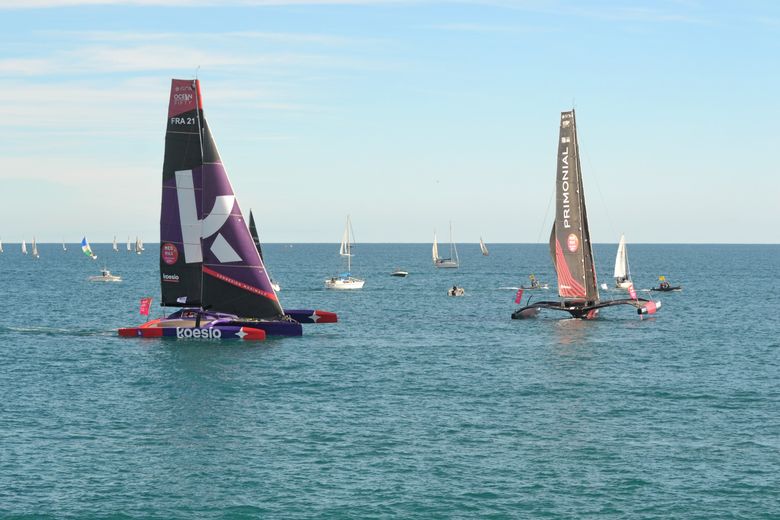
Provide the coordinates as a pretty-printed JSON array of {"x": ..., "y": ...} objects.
[
  {"x": 519, "y": 295},
  {"x": 145, "y": 304},
  {"x": 632, "y": 292}
]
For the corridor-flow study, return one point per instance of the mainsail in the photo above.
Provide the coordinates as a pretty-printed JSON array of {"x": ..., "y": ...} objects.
[
  {"x": 483, "y": 247},
  {"x": 435, "y": 248},
  {"x": 570, "y": 245},
  {"x": 207, "y": 256}
]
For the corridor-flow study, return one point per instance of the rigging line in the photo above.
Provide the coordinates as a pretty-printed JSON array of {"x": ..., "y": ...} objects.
[
  {"x": 546, "y": 212},
  {"x": 598, "y": 188}
]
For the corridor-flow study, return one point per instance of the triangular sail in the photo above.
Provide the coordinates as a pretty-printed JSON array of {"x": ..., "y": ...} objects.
[
  {"x": 483, "y": 247},
  {"x": 570, "y": 244},
  {"x": 622, "y": 269},
  {"x": 435, "y": 249},
  {"x": 114, "y": 246},
  {"x": 255, "y": 236},
  {"x": 24, "y": 247},
  {"x": 34, "y": 248},
  {"x": 207, "y": 255}
]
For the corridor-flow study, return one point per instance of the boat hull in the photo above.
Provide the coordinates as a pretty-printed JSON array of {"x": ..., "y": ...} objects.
[
  {"x": 585, "y": 311},
  {"x": 667, "y": 289},
  {"x": 445, "y": 264},
  {"x": 215, "y": 332},
  {"x": 344, "y": 283},
  {"x": 312, "y": 316}
]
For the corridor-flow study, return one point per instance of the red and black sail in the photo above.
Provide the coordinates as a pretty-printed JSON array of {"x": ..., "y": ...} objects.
[{"x": 570, "y": 245}]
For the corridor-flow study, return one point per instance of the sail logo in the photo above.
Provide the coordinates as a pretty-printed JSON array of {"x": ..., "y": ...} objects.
[
  {"x": 194, "y": 229},
  {"x": 573, "y": 243},
  {"x": 187, "y": 333},
  {"x": 169, "y": 252},
  {"x": 182, "y": 98},
  {"x": 170, "y": 278},
  {"x": 565, "y": 204}
]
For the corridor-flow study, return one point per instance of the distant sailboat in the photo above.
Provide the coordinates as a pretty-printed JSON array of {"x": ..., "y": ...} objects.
[
  {"x": 1, "y": 246},
  {"x": 64, "y": 249},
  {"x": 114, "y": 246},
  {"x": 138, "y": 247},
  {"x": 24, "y": 247},
  {"x": 570, "y": 244},
  {"x": 483, "y": 247},
  {"x": 35, "y": 249},
  {"x": 256, "y": 239},
  {"x": 622, "y": 269},
  {"x": 87, "y": 250},
  {"x": 449, "y": 263},
  {"x": 345, "y": 280},
  {"x": 129, "y": 246}
]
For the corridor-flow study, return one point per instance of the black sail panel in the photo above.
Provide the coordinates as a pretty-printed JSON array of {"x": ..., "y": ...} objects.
[
  {"x": 180, "y": 259},
  {"x": 255, "y": 236}
]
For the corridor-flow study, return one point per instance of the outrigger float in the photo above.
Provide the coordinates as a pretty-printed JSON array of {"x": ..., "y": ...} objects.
[
  {"x": 570, "y": 245},
  {"x": 209, "y": 264}
]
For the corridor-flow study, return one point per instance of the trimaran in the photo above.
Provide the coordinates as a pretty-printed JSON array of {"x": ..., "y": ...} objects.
[
  {"x": 570, "y": 245},
  {"x": 209, "y": 265}
]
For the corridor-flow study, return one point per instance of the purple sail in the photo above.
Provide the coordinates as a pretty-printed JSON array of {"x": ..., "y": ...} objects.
[{"x": 207, "y": 256}]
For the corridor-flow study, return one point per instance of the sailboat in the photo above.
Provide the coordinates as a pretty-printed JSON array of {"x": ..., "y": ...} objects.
[
  {"x": 209, "y": 266},
  {"x": 256, "y": 239},
  {"x": 24, "y": 247},
  {"x": 138, "y": 248},
  {"x": 439, "y": 262},
  {"x": 129, "y": 247},
  {"x": 483, "y": 247},
  {"x": 64, "y": 249},
  {"x": 87, "y": 250},
  {"x": 35, "y": 249},
  {"x": 570, "y": 245},
  {"x": 114, "y": 246},
  {"x": 345, "y": 280},
  {"x": 622, "y": 269},
  {"x": 1, "y": 246}
]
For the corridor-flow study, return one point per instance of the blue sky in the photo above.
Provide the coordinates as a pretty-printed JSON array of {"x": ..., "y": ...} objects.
[{"x": 404, "y": 114}]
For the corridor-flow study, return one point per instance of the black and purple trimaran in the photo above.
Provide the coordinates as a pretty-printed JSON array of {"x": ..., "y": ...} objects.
[
  {"x": 209, "y": 265},
  {"x": 570, "y": 245}
]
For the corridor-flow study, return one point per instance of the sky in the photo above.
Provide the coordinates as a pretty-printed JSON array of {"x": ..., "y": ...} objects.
[{"x": 405, "y": 114}]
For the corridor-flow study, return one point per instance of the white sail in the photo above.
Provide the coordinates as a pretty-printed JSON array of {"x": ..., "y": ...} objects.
[
  {"x": 114, "y": 246},
  {"x": 622, "y": 269},
  {"x": 435, "y": 250},
  {"x": 129, "y": 247},
  {"x": 451, "y": 262},
  {"x": 63, "y": 246},
  {"x": 138, "y": 248},
  {"x": 1, "y": 246},
  {"x": 35, "y": 249},
  {"x": 24, "y": 247},
  {"x": 483, "y": 247},
  {"x": 346, "y": 281}
]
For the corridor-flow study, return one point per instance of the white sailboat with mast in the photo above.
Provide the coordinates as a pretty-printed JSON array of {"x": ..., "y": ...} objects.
[
  {"x": 346, "y": 280},
  {"x": 35, "y": 249},
  {"x": 114, "y": 246},
  {"x": 483, "y": 247},
  {"x": 622, "y": 269},
  {"x": 448, "y": 263},
  {"x": 24, "y": 247}
]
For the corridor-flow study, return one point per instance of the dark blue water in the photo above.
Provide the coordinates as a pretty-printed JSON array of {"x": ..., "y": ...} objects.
[{"x": 415, "y": 405}]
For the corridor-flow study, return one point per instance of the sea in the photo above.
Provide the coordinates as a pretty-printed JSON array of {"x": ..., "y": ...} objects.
[{"x": 413, "y": 405}]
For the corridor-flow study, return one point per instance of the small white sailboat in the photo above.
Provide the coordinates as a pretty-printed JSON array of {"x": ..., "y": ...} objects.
[
  {"x": 24, "y": 247},
  {"x": 1, "y": 246},
  {"x": 129, "y": 246},
  {"x": 138, "y": 247},
  {"x": 622, "y": 269},
  {"x": 35, "y": 249},
  {"x": 483, "y": 247},
  {"x": 448, "y": 263},
  {"x": 114, "y": 246},
  {"x": 64, "y": 249},
  {"x": 345, "y": 280}
]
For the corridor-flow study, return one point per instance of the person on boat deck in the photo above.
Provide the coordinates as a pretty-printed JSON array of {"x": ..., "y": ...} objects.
[
  {"x": 664, "y": 285},
  {"x": 454, "y": 289}
]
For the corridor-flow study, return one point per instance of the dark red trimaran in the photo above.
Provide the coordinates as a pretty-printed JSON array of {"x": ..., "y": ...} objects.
[
  {"x": 570, "y": 246},
  {"x": 209, "y": 265}
]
